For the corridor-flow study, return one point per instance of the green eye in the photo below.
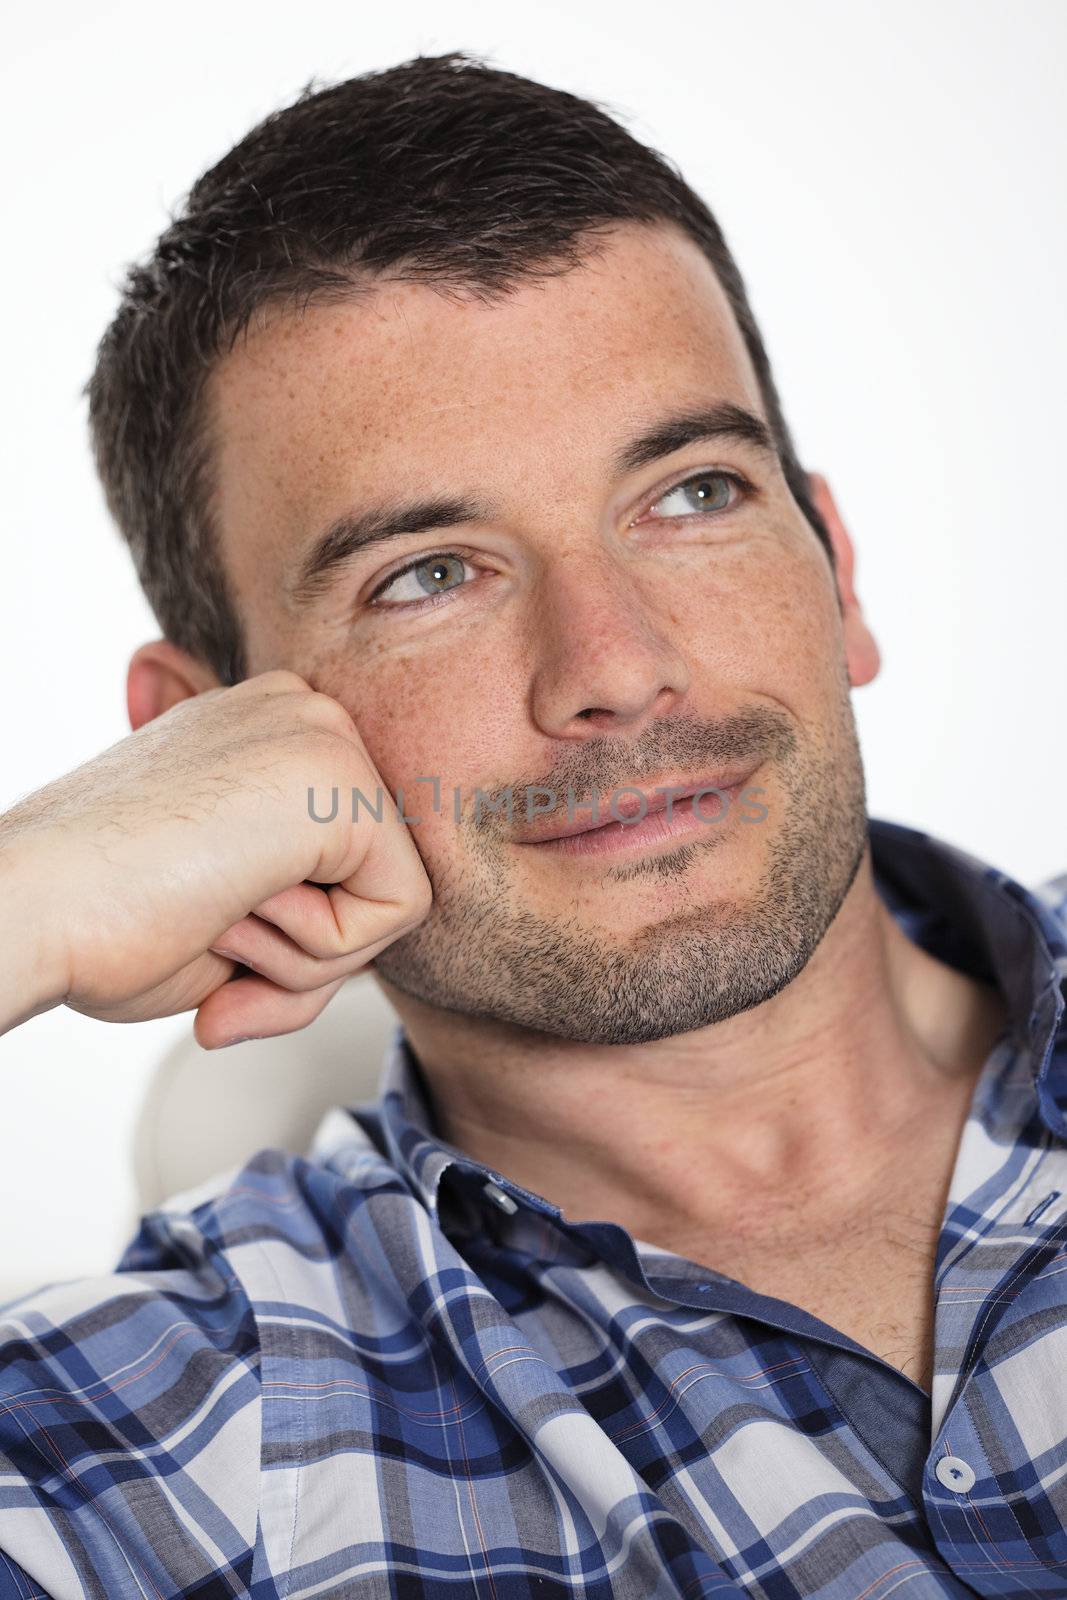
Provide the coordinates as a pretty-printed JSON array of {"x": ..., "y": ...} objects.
[
  {"x": 706, "y": 492},
  {"x": 434, "y": 575},
  {"x": 428, "y": 576}
]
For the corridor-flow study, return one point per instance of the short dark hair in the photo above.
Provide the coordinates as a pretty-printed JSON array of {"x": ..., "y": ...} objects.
[{"x": 442, "y": 169}]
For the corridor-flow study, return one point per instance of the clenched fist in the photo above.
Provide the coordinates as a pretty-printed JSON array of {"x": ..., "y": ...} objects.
[{"x": 135, "y": 885}]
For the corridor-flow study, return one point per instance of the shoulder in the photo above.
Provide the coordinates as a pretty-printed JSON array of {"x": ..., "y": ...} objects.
[
  {"x": 1053, "y": 893},
  {"x": 129, "y": 1410}
]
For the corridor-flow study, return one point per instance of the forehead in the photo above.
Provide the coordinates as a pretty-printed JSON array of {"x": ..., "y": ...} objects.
[{"x": 314, "y": 411}]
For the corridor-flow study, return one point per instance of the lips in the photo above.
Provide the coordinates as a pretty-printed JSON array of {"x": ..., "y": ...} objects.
[{"x": 628, "y": 800}]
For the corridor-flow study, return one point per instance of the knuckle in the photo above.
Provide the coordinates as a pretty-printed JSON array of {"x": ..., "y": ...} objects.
[
  {"x": 416, "y": 907},
  {"x": 277, "y": 680},
  {"x": 423, "y": 899},
  {"x": 330, "y": 713}
]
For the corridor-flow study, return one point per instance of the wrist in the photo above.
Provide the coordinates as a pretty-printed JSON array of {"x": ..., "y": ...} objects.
[{"x": 32, "y": 970}]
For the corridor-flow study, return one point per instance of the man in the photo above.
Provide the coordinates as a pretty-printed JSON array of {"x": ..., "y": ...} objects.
[{"x": 706, "y": 1238}]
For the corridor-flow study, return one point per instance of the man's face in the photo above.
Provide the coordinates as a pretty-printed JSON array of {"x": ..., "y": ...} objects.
[{"x": 599, "y": 626}]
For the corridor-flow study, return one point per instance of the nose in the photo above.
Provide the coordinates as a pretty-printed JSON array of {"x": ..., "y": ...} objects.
[{"x": 606, "y": 660}]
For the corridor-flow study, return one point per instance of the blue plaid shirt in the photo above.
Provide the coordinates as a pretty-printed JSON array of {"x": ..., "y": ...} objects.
[{"x": 387, "y": 1370}]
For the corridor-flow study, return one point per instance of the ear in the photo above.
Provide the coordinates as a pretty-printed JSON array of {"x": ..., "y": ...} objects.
[
  {"x": 861, "y": 649},
  {"x": 159, "y": 675}
]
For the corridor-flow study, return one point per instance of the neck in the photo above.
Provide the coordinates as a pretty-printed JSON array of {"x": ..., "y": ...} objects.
[{"x": 813, "y": 1092}]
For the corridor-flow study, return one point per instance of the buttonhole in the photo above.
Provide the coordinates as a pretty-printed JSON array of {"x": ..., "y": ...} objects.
[{"x": 1041, "y": 1207}]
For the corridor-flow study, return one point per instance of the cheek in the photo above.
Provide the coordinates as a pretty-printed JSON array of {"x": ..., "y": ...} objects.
[
  {"x": 458, "y": 721},
  {"x": 765, "y": 625}
]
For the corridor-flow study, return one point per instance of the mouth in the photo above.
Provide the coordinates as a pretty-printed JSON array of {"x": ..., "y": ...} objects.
[{"x": 636, "y": 818}]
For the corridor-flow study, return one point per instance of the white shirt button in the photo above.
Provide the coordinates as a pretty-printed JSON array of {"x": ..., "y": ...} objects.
[
  {"x": 954, "y": 1473},
  {"x": 504, "y": 1201}
]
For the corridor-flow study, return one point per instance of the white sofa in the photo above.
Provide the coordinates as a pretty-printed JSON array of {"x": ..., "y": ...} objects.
[{"x": 206, "y": 1111}]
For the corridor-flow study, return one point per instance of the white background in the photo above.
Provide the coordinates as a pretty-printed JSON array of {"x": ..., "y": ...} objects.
[{"x": 890, "y": 178}]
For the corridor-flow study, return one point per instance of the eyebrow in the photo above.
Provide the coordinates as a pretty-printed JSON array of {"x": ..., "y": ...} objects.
[{"x": 353, "y": 532}]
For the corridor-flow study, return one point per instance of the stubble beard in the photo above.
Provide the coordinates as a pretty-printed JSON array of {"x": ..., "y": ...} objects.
[{"x": 482, "y": 953}]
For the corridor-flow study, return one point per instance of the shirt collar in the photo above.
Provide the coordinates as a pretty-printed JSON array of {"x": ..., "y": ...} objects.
[
  {"x": 977, "y": 918},
  {"x": 957, "y": 907}
]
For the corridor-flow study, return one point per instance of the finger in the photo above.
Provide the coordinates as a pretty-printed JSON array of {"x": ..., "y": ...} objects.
[
  {"x": 331, "y": 922},
  {"x": 270, "y": 952},
  {"x": 182, "y": 991},
  {"x": 255, "y": 1008}
]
